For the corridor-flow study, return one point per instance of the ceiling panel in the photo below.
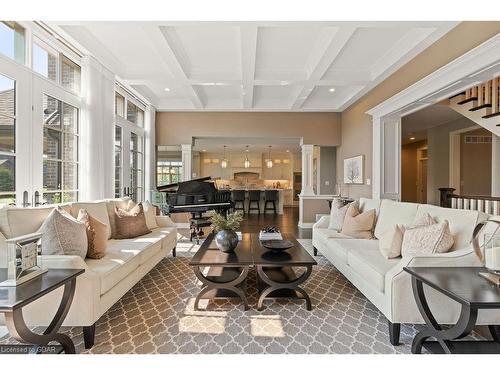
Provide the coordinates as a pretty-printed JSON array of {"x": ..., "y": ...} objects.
[{"x": 252, "y": 66}]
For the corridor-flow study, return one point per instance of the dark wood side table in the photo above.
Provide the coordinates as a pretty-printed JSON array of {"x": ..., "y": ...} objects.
[
  {"x": 465, "y": 286},
  {"x": 13, "y": 299}
]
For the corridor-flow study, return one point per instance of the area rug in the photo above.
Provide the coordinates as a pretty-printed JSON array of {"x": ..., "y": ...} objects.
[{"x": 157, "y": 316}]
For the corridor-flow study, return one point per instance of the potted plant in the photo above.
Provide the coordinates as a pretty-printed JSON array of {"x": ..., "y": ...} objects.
[{"x": 226, "y": 238}]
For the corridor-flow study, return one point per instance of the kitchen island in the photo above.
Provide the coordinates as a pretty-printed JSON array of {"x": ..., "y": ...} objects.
[{"x": 279, "y": 203}]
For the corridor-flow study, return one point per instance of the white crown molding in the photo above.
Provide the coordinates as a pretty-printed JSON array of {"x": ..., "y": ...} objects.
[{"x": 461, "y": 69}]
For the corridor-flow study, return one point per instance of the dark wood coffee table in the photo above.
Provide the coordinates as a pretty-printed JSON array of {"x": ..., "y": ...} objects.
[
  {"x": 13, "y": 299},
  {"x": 276, "y": 274},
  {"x": 465, "y": 286},
  {"x": 227, "y": 272}
]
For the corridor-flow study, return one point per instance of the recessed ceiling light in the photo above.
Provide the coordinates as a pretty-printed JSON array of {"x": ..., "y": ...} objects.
[
  {"x": 167, "y": 89},
  {"x": 203, "y": 150},
  {"x": 412, "y": 138},
  {"x": 332, "y": 89},
  {"x": 287, "y": 150}
]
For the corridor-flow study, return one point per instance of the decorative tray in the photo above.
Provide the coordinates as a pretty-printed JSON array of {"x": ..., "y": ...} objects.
[{"x": 277, "y": 245}]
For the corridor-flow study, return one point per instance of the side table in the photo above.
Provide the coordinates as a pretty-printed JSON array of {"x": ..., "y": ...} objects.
[
  {"x": 472, "y": 292},
  {"x": 13, "y": 299}
]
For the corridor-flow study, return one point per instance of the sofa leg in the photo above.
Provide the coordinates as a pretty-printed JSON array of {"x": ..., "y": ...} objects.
[
  {"x": 88, "y": 336},
  {"x": 174, "y": 252},
  {"x": 394, "y": 331},
  {"x": 315, "y": 251}
]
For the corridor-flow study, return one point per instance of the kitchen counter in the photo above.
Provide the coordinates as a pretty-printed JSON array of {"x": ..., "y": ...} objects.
[{"x": 279, "y": 203}]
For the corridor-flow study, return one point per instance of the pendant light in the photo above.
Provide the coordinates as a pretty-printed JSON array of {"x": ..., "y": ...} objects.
[
  {"x": 247, "y": 162},
  {"x": 269, "y": 162},
  {"x": 223, "y": 163}
]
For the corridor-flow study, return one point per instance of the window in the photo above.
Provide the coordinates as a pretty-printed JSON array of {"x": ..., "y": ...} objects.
[
  {"x": 136, "y": 163},
  {"x": 168, "y": 172},
  {"x": 135, "y": 114},
  {"x": 70, "y": 75},
  {"x": 44, "y": 62},
  {"x": 60, "y": 151},
  {"x": 119, "y": 105},
  {"x": 7, "y": 140},
  {"x": 12, "y": 41},
  {"x": 118, "y": 161}
]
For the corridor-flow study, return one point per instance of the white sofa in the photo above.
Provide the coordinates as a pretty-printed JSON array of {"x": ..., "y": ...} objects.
[
  {"x": 383, "y": 281},
  {"x": 105, "y": 280}
]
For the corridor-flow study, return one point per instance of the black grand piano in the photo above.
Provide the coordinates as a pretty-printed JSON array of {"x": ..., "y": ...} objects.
[{"x": 196, "y": 197}]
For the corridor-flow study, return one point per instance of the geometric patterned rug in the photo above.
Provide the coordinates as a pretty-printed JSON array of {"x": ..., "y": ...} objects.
[{"x": 157, "y": 316}]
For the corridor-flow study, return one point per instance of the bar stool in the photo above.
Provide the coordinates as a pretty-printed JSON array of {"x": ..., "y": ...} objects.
[
  {"x": 271, "y": 196},
  {"x": 239, "y": 197},
  {"x": 254, "y": 196}
]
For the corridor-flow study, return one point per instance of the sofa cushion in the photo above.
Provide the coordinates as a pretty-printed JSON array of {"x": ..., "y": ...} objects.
[
  {"x": 150, "y": 215},
  {"x": 427, "y": 239},
  {"x": 462, "y": 222},
  {"x": 358, "y": 225},
  {"x": 130, "y": 223},
  {"x": 392, "y": 213},
  {"x": 337, "y": 214},
  {"x": 160, "y": 238},
  {"x": 111, "y": 204},
  {"x": 367, "y": 204},
  {"x": 121, "y": 259},
  {"x": 18, "y": 221},
  {"x": 97, "y": 235},
  {"x": 364, "y": 257},
  {"x": 97, "y": 210}
]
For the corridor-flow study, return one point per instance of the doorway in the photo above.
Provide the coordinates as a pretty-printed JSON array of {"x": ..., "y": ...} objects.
[{"x": 422, "y": 175}]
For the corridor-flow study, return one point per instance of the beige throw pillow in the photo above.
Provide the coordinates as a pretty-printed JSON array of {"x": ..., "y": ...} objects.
[
  {"x": 63, "y": 235},
  {"x": 130, "y": 224},
  {"x": 391, "y": 241},
  {"x": 97, "y": 235},
  {"x": 150, "y": 214},
  {"x": 337, "y": 214},
  {"x": 429, "y": 239},
  {"x": 423, "y": 220},
  {"x": 111, "y": 204},
  {"x": 358, "y": 225}
]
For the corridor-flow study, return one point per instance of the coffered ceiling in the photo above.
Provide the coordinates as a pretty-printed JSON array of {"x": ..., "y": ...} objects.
[{"x": 253, "y": 66}]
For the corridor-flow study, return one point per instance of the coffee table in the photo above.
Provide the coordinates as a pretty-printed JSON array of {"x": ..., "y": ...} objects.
[
  {"x": 276, "y": 274},
  {"x": 275, "y": 271},
  {"x": 227, "y": 272}
]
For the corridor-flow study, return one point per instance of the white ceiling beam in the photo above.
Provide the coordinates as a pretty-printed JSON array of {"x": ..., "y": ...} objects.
[
  {"x": 159, "y": 43},
  {"x": 331, "y": 42},
  {"x": 248, "y": 60}
]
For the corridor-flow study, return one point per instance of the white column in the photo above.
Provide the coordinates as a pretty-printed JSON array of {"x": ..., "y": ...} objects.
[
  {"x": 187, "y": 160},
  {"x": 307, "y": 170},
  {"x": 97, "y": 131},
  {"x": 495, "y": 163},
  {"x": 150, "y": 151},
  {"x": 386, "y": 158}
]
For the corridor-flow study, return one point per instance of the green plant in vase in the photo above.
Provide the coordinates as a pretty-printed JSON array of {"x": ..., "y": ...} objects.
[{"x": 226, "y": 238}]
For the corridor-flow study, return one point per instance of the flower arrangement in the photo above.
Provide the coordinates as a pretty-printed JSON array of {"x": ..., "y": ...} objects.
[{"x": 231, "y": 222}]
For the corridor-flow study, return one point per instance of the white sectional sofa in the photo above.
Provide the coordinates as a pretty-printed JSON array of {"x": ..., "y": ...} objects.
[
  {"x": 383, "y": 281},
  {"x": 105, "y": 280}
]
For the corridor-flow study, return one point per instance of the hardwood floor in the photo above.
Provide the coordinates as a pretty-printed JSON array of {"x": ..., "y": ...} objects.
[{"x": 286, "y": 223}]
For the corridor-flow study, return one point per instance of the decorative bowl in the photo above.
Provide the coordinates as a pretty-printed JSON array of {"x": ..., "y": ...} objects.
[{"x": 277, "y": 245}]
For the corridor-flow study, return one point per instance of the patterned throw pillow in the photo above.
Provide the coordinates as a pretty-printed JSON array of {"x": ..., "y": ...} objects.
[
  {"x": 358, "y": 225},
  {"x": 63, "y": 235},
  {"x": 131, "y": 223},
  {"x": 423, "y": 220},
  {"x": 337, "y": 214},
  {"x": 97, "y": 235},
  {"x": 391, "y": 241},
  {"x": 429, "y": 239}
]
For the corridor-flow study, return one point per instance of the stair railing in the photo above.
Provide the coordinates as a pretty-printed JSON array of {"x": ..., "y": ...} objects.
[{"x": 489, "y": 205}]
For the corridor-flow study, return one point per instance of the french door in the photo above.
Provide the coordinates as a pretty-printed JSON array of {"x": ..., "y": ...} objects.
[{"x": 39, "y": 138}]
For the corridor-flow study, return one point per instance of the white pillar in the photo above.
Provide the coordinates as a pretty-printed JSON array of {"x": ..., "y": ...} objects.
[
  {"x": 187, "y": 160},
  {"x": 307, "y": 170},
  {"x": 97, "y": 131},
  {"x": 495, "y": 166},
  {"x": 150, "y": 151}
]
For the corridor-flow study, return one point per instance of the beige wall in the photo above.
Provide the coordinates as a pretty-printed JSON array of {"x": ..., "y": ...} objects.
[
  {"x": 409, "y": 171},
  {"x": 356, "y": 125},
  {"x": 475, "y": 165},
  {"x": 175, "y": 128}
]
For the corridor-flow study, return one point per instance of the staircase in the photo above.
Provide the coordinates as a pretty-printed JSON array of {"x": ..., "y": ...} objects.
[{"x": 480, "y": 104}]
